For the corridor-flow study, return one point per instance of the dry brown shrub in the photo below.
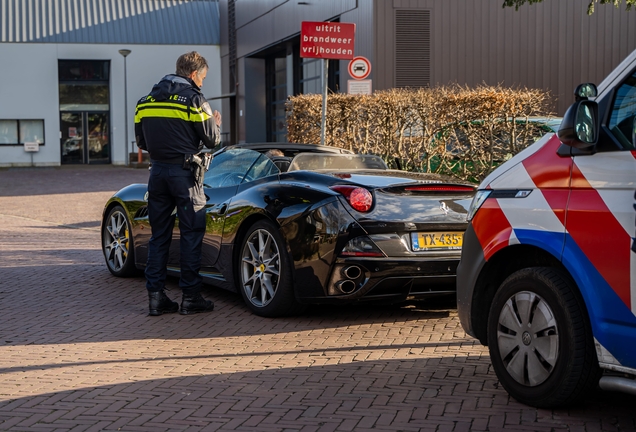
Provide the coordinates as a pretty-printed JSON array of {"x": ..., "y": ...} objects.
[{"x": 454, "y": 130}]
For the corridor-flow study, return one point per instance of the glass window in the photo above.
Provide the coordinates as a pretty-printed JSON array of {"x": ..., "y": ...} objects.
[
  {"x": 311, "y": 73},
  {"x": 84, "y": 97},
  {"x": 281, "y": 77},
  {"x": 311, "y": 76},
  {"x": 277, "y": 92},
  {"x": 230, "y": 167},
  {"x": 263, "y": 167},
  {"x": 84, "y": 85},
  {"x": 319, "y": 161},
  {"x": 8, "y": 132},
  {"x": 83, "y": 70},
  {"x": 32, "y": 131},
  {"x": 280, "y": 94},
  {"x": 621, "y": 121},
  {"x": 17, "y": 132}
]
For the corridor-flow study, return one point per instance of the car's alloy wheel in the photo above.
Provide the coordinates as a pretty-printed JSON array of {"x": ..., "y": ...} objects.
[
  {"x": 264, "y": 271},
  {"x": 117, "y": 243},
  {"x": 260, "y": 267},
  {"x": 540, "y": 338}
]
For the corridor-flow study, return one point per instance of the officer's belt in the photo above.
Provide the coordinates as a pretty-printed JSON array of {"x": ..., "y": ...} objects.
[{"x": 177, "y": 160}]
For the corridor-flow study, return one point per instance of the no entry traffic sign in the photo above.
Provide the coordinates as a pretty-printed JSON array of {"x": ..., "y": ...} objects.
[
  {"x": 359, "y": 68},
  {"x": 327, "y": 40}
]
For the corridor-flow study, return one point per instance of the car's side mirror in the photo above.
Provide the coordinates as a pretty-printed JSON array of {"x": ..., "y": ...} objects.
[
  {"x": 579, "y": 128},
  {"x": 585, "y": 91}
]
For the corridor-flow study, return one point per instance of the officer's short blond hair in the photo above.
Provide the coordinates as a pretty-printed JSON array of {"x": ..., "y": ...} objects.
[{"x": 190, "y": 62}]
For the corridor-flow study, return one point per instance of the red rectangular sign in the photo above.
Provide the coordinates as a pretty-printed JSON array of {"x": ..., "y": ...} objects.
[{"x": 327, "y": 40}]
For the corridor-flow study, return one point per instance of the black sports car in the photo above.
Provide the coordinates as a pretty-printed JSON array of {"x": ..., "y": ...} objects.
[{"x": 317, "y": 225}]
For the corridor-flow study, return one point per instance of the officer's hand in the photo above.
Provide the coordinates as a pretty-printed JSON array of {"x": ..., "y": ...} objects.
[{"x": 217, "y": 117}]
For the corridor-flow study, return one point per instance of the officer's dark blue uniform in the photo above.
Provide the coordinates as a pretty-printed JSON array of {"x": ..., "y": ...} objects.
[{"x": 175, "y": 120}]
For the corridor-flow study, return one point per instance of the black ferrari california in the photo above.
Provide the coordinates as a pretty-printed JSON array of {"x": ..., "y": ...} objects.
[{"x": 318, "y": 224}]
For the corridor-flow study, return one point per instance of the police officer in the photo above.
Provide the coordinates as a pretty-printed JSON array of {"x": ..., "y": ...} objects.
[{"x": 171, "y": 123}]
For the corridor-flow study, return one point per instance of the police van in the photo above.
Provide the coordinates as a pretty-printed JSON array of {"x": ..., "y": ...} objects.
[{"x": 547, "y": 278}]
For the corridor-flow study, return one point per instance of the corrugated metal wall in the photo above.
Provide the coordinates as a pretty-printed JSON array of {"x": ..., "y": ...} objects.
[
  {"x": 553, "y": 45},
  {"x": 260, "y": 23},
  {"x": 362, "y": 16},
  {"x": 180, "y": 22}
]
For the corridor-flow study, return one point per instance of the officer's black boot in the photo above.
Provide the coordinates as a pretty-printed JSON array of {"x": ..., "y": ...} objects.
[
  {"x": 160, "y": 303},
  {"x": 195, "y": 303}
]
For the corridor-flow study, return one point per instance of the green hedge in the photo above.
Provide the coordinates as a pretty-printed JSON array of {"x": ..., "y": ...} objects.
[{"x": 455, "y": 130}]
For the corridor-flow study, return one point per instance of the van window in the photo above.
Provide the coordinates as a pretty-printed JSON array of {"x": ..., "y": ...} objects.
[{"x": 623, "y": 112}]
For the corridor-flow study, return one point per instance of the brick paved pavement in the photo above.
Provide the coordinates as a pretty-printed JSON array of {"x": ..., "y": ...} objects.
[{"x": 77, "y": 351}]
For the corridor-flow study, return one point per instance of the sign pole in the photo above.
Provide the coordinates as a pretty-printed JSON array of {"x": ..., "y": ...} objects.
[
  {"x": 325, "y": 41},
  {"x": 323, "y": 121},
  {"x": 125, "y": 53},
  {"x": 32, "y": 147}
]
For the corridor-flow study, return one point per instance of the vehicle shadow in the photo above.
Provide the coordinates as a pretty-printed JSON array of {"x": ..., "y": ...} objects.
[
  {"x": 50, "y": 279},
  {"x": 71, "y": 296},
  {"x": 433, "y": 394}
]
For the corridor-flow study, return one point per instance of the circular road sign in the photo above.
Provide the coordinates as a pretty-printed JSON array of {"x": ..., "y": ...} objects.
[{"x": 359, "y": 68}]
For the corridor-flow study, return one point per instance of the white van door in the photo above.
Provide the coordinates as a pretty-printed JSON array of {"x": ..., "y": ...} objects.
[{"x": 601, "y": 228}]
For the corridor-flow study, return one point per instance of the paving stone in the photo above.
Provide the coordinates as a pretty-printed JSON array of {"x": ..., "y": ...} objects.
[{"x": 78, "y": 351}]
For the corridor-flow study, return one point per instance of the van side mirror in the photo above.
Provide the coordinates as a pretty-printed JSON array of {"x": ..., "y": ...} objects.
[
  {"x": 579, "y": 128},
  {"x": 585, "y": 91}
]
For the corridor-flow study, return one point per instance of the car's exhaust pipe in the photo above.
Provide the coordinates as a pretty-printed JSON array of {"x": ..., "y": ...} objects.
[
  {"x": 614, "y": 383},
  {"x": 352, "y": 272},
  {"x": 346, "y": 286}
]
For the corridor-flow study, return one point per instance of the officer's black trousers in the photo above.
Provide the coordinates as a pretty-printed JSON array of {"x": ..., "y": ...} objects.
[{"x": 171, "y": 186}]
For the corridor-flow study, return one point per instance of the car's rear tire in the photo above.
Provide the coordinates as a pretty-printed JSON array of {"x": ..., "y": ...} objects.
[
  {"x": 540, "y": 339},
  {"x": 265, "y": 272},
  {"x": 117, "y": 243}
]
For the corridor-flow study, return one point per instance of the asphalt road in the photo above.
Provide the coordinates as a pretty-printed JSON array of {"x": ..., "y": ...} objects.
[{"x": 78, "y": 351}]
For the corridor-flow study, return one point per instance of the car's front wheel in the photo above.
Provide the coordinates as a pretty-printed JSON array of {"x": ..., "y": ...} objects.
[
  {"x": 117, "y": 243},
  {"x": 264, "y": 272},
  {"x": 540, "y": 339}
]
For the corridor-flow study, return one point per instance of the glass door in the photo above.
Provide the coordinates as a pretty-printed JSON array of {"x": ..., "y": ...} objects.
[
  {"x": 84, "y": 111},
  {"x": 98, "y": 139},
  {"x": 78, "y": 147},
  {"x": 72, "y": 137}
]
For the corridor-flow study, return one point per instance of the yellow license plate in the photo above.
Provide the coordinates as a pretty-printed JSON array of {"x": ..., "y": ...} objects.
[{"x": 436, "y": 241}]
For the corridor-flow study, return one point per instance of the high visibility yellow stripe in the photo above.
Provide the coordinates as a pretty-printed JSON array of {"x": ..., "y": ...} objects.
[
  {"x": 170, "y": 113},
  {"x": 168, "y": 105}
]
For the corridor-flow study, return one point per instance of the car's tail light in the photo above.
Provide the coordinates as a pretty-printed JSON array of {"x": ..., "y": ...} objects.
[
  {"x": 359, "y": 198},
  {"x": 361, "y": 246},
  {"x": 439, "y": 188}
]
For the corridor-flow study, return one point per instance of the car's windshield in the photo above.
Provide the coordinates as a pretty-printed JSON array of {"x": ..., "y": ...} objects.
[
  {"x": 327, "y": 161},
  {"x": 236, "y": 166}
]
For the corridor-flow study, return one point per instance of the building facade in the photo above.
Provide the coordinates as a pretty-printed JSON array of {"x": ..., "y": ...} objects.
[
  {"x": 73, "y": 70},
  {"x": 553, "y": 45}
]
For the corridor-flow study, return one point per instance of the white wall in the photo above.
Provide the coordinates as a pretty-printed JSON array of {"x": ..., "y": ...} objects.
[{"x": 29, "y": 89}]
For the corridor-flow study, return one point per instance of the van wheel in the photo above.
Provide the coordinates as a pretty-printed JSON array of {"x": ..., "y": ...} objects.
[{"x": 540, "y": 339}]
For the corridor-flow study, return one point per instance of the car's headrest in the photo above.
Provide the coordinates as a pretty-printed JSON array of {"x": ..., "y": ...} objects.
[{"x": 281, "y": 162}]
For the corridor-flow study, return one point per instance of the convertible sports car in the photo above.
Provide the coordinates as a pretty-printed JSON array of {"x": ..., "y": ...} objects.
[{"x": 317, "y": 225}]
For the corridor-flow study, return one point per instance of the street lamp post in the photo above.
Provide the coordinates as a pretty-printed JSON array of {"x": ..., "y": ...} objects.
[{"x": 125, "y": 53}]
